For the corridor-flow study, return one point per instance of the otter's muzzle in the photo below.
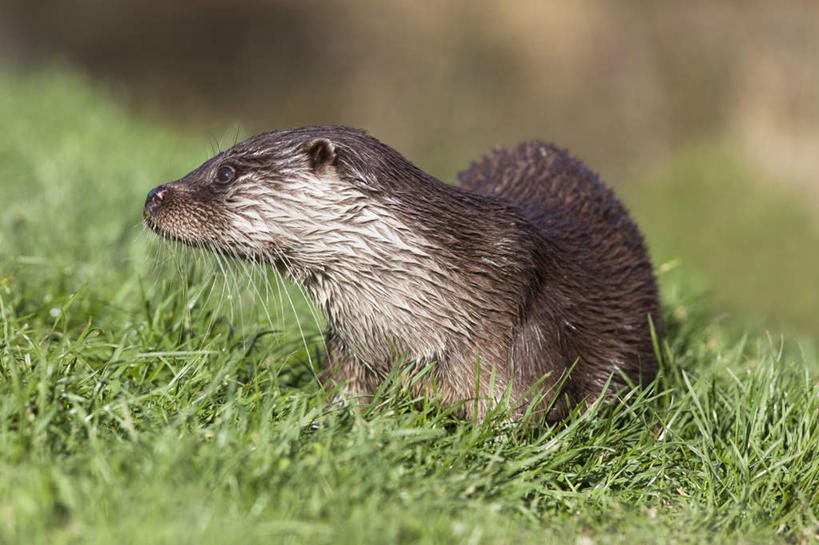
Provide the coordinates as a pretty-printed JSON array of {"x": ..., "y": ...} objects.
[{"x": 153, "y": 201}]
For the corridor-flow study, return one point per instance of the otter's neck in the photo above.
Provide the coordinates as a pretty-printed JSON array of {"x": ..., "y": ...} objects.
[{"x": 424, "y": 283}]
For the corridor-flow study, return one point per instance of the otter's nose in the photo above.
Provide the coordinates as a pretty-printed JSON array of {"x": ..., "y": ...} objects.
[{"x": 154, "y": 200}]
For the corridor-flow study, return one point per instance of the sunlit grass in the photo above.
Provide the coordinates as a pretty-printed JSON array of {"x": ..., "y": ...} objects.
[{"x": 146, "y": 396}]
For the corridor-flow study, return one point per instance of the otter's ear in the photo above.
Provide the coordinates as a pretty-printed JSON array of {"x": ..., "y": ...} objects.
[{"x": 321, "y": 153}]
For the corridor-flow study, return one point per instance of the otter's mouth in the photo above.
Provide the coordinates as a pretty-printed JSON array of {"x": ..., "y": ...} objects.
[
  {"x": 150, "y": 223},
  {"x": 171, "y": 234},
  {"x": 165, "y": 234}
]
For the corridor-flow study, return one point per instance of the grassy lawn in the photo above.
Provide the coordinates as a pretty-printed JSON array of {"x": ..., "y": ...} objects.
[{"x": 145, "y": 396}]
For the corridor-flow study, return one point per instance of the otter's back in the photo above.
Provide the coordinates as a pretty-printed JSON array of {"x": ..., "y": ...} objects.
[{"x": 546, "y": 182}]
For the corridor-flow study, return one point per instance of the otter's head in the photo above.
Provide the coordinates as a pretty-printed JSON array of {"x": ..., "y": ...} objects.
[{"x": 296, "y": 197}]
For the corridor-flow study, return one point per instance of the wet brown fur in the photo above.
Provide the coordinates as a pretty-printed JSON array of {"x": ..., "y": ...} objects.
[{"x": 530, "y": 269}]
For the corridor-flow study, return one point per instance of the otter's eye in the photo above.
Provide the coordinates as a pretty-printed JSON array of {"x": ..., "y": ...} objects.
[{"x": 225, "y": 174}]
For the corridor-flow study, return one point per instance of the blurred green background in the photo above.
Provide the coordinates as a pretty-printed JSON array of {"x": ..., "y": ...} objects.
[{"x": 704, "y": 116}]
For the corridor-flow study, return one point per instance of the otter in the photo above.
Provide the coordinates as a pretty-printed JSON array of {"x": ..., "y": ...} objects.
[{"x": 528, "y": 280}]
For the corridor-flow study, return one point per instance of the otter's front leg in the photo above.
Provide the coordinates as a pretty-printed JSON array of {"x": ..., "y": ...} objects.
[{"x": 342, "y": 371}]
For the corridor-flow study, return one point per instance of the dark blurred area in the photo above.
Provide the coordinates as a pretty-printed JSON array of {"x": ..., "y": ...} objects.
[{"x": 620, "y": 84}]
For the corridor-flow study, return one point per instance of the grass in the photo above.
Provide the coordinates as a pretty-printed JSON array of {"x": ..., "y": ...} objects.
[{"x": 141, "y": 401}]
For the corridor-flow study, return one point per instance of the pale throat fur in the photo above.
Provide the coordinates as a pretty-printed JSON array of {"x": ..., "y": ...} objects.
[{"x": 386, "y": 291}]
